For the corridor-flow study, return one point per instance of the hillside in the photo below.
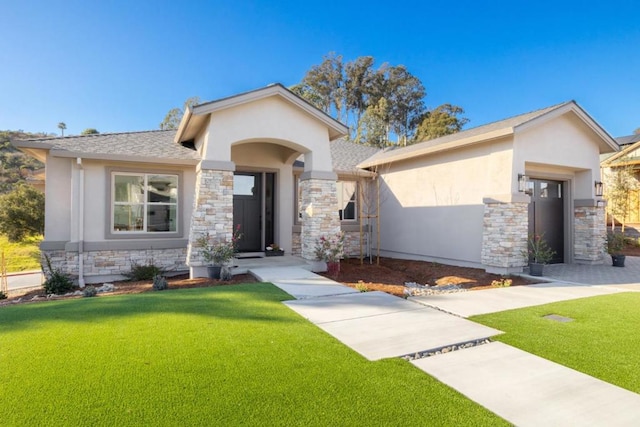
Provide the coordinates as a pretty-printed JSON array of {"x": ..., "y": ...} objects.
[{"x": 15, "y": 166}]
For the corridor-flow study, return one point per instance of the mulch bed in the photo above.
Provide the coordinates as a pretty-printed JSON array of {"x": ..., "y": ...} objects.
[{"x": 390, "y": 276}]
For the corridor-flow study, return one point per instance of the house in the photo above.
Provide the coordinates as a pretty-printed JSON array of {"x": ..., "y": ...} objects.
[
  {"x": 624, "y": 205},
  {"x": 272, "y": 163}
]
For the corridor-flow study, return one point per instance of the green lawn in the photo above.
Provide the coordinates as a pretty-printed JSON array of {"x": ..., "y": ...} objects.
[
  {"x": 21, "y": 256},
  {"x": 603, "y": 341},
  {"x": 210, "y": 356}
]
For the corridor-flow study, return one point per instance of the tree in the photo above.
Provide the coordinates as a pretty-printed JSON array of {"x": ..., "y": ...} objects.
[
  {"x": 346, "y": 91},
  {"x": 173, "y": 117},
  {"x": 373, "y": 128},
  {"x": 62, "y": 126},
  {"x": 637, "y": 131},
  {"x": 620, "y": 182},
  {"x": 442, "y": 120},
  {"x": 22, "y": 213},
  {"x": 89, "y": 131}
]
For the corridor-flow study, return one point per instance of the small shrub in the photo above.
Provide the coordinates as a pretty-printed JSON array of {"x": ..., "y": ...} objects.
[
  {"x": 89, "y": 292},
  {"x": 144, "y": 272},
  {"x": 502, "y": 283},
  {"x": 57, "y": 282},
  {"x": 360, "y": 286},
  {"x": 160, "y": 283},
  {"x": 3, "y": 295}
]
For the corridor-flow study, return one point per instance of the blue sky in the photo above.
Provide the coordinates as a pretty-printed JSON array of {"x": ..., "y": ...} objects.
[{"x": 121, "y": 65}]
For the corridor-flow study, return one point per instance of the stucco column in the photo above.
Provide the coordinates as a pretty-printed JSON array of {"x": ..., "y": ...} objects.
[
  {"x": 590, "y": 231},
  {"x": 212, "y": 210},
  {"x": 319, "y": 209},
  {"x": 505, "y": 233}
]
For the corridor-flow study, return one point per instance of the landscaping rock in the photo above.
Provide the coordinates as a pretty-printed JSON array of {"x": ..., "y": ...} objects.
[
  {"x": 414, "y": 289},
  {"x": 107, "y": 287}
]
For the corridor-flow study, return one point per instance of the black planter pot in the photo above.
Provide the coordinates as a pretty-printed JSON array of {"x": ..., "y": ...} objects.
[
  {"x": 214, "y": 271},
  {"x": 617, "y": 260},
  {"x": 536, "y": 269}
]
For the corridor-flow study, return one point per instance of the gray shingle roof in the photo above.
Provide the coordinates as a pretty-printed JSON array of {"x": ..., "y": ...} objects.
[
  {"x": 345, "y": 156},
  {"x": 629, "y": 139},
  {"x": 479, "y": 130},
  {"x": 156, "y": 144}
]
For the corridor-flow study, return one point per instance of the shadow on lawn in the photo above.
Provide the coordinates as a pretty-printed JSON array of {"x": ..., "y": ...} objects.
[{"x": 250, "y": 302}]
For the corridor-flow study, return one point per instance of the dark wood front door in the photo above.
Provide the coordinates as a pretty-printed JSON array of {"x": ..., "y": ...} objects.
[
  {"x": 546, "y": 214},
  {"x": 247, "y": 209}
]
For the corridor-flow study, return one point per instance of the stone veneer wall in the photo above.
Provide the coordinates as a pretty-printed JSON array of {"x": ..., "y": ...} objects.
[
  {"x": 351, "y": 244},
  {"x": 319, "y": 213},
  {"x": 589, "y": 234},
  {"x": 116, "y": 262},
  {"x": 504, "y": 236},
  {"x": 212, "y": 211}
]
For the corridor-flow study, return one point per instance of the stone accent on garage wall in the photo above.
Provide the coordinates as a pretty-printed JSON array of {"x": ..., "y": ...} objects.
[
  {"x": 319, "y": 213},
  {"x": 589, "y": 234},
  {"x": 212, "y": 211},
  {"x": 504, "y": 236}
]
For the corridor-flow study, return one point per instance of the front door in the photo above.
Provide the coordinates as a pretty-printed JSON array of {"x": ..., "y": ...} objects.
[
  {"x": 546, "y": 214},
  {"x": 247, "y": 209},
  {"x": 254, "y": 198}
]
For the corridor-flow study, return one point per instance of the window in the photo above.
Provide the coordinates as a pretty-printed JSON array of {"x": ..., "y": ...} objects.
[
  {"x": 144, "y": 203},
  {"x": 347, "y": 200}
]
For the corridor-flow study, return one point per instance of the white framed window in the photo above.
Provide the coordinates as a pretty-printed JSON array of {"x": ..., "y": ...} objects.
[
  {"x": 347, "y": 200},
  {"x": 144, "y": 203}
]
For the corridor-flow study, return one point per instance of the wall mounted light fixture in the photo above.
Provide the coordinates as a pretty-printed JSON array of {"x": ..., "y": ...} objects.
[{"x": 599, "y": 188}]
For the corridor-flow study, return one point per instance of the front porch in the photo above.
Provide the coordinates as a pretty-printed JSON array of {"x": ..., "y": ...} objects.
[{"x": 244, "y": 265}]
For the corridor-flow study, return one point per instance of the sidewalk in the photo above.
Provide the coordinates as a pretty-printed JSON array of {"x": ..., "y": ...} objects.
[{"x": 522, "y": 388}]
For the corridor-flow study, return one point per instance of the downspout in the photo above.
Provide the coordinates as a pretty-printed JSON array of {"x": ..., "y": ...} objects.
[{"x": 80, "y": 223}]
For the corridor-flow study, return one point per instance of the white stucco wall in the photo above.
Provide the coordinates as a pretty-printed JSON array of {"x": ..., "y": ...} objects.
[
  {"x": 58, "y": 199},
  {"x": 564, "y": 148},
  {"x": 267, "y": 120},
  {"x": 432, "y": 207}
]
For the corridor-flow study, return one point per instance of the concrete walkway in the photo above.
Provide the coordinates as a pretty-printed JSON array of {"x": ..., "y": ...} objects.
[{"x": 522, "y": 388}]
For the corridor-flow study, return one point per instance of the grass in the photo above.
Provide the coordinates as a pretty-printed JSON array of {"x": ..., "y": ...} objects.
[
  {"x": 22, "y": 256},
  {"x": 208, "y": 356},
  {"x": 601, "y": 341}
]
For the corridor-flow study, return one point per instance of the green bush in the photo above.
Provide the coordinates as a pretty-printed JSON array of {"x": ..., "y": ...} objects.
[
  {"x": 58, "y": 283},
  {"x": 89, "y": 292},
  {"x": 144, "y": 272},
  {"x": 160, "y": 283},
  {"x": 22, "y": 213}
]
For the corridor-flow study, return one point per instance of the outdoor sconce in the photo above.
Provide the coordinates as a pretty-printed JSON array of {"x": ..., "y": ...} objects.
[
  {"x": 523, "y": 180},
  {"x": 599, "y": 188}
]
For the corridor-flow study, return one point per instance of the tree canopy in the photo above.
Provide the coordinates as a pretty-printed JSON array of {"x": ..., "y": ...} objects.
[
  {"x": 62, "y": 126},
  {"x": 89, "y": 131},
  {"x": 173, "y": 116},
  {"x": 376, "y": 102},
  {"x": 22, "y": 213}
]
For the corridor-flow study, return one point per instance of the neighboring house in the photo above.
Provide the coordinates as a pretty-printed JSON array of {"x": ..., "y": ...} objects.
[
  {"x": 627, "y": 157},
  {"x": 272, "y": 163}
]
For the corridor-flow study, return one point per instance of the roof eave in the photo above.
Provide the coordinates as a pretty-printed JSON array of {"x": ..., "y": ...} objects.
[
  {"x": 387, "y": 158},
  {"x": 123, "y": 158},
  {"x": 184, "y": 124}
]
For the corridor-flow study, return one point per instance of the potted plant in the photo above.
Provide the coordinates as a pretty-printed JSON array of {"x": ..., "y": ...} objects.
[
  {"x": 331, "y": 250},
  {"x": 274, "y": 250},
  {"x": 217, "y": 253},
  {"x": 538, "y": 254},
  {"x": 615, "y": 246}
]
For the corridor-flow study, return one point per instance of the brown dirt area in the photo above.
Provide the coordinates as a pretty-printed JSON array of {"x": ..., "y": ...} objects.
[{"x": 390, "y": 276}]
